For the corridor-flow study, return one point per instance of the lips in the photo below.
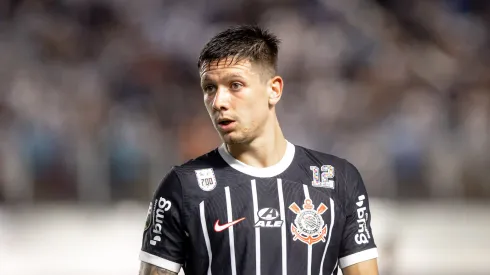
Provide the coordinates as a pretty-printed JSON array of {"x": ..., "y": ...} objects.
[
  {"x": 225, "y": 124},
  {"x": 225, "y": 121}
]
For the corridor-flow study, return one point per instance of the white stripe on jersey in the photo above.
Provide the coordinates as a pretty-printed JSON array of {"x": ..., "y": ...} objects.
[
  {"x": 257, "y": 229},
  {"x": 230, "y": 231},
  {"x": 307, "y": 196},
  {"x": 335, "y": 267},
  {"x": 283, "y": 228},
  {"x": 206, "y": 235},
  {"x": 332, "y": 213},
  {"x": 307, "y": 193}
]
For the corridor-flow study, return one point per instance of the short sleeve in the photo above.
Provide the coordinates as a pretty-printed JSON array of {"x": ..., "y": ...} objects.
[
  {"x": 164, "y": 238},
  {"x": 357, "y": 243}
]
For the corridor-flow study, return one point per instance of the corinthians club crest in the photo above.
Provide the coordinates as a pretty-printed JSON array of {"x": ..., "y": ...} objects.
[{"x": 309, "y": 226}]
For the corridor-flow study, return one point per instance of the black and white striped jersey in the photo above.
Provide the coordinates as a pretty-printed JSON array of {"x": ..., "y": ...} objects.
[{"x": 308, "y": 214}]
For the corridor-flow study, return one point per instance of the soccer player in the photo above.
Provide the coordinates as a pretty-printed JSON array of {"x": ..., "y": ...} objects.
[{"x": 257, "y": 204}]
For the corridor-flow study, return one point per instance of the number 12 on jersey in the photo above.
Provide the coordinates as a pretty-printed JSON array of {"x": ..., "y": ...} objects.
[{"x": 326, "y": 177}]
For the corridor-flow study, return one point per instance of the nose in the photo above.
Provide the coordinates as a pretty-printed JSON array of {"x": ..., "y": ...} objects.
[{"x": 221, "y": 100}]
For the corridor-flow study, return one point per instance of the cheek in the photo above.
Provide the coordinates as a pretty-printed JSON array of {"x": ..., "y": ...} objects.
[
  {"x": 259, "y": 110},
  {"x": 208, "y": 102}
]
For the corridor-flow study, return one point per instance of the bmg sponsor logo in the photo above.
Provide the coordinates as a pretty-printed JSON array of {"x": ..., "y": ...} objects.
[
  {"x": 161, "y": 206},
  {"x": 362, "y": 236}
]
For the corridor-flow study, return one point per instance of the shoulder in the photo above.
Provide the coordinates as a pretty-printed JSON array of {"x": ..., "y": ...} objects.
[
  {"x": 200, "y": 171},
  {"x": 341, "y": 165},
  {"x": 345, "y": 173},
  {"x": 211, "y": 159}
]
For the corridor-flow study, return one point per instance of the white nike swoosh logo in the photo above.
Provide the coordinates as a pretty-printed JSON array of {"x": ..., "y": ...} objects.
[{"x": 220, "y": 227}]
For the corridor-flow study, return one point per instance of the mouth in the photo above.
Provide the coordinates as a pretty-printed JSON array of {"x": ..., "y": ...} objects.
[{"x": 225, "y": 124}]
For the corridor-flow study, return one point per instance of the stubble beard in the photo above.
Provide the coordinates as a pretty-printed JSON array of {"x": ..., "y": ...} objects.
[
  {"x": 239, "y": 136},
  {"x": 232, "y": 139}
]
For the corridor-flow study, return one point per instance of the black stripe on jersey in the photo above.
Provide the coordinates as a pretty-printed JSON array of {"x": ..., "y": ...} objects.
[
  {"x": 270, "y": 232},
  {"x": 244, "y": 237},
  {"x": 216, "y": 207}
]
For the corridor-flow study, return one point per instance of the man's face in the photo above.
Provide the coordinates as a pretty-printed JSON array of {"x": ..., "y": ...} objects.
[{"x": 236, "y": 96}]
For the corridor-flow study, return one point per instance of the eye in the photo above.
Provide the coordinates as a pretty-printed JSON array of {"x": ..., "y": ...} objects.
[
  {"x": 236, "y": 86},
  {"x": 209, "y": 89}
]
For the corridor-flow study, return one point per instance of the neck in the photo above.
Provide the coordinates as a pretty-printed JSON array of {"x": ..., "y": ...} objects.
[{"x": 264, "y": 151}]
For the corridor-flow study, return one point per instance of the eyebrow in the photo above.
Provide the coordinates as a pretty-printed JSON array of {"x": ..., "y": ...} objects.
[
  {"x": 232, "y": 75},
  {"x": 227, "y": 76}
]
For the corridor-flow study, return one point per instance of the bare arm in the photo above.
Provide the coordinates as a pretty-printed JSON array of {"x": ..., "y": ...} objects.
[
  {"x": 369, "y": 267},
  {"x": 149, "y": 269}
]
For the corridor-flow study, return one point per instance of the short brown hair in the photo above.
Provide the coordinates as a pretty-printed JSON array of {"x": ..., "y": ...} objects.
[{"x": 242, "y": 42}]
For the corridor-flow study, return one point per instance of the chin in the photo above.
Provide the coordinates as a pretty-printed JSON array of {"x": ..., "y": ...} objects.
[{"x": 233, "y": 138}]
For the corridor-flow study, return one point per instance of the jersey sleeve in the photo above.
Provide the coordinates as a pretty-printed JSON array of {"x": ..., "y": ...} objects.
[
  {"x": 164, "y": 238},
  {"x": 357, "y": 243}
]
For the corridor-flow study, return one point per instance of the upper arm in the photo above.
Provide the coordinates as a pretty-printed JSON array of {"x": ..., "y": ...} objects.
[
  {"x": 369, "y": 267},
  {"x": 149, "y": 269},
  {"x": 357, "y": 243},
  {"x": 164, "y": 240}
]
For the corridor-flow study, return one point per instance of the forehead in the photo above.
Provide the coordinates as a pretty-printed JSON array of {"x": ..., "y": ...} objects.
[{"x": 217, "y": 68}]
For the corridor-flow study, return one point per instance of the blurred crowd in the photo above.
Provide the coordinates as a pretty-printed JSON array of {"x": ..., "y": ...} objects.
[{"x": 99, "y": 98}]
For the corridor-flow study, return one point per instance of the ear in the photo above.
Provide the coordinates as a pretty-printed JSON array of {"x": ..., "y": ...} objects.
[{"x": 275, "y": 90}]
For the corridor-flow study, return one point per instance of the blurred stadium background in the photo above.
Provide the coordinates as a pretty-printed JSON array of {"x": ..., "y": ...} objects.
[{"x": 99, "y": 98}]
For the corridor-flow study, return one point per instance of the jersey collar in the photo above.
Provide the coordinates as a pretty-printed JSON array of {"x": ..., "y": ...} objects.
[{"x": 266, "y": 172}]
